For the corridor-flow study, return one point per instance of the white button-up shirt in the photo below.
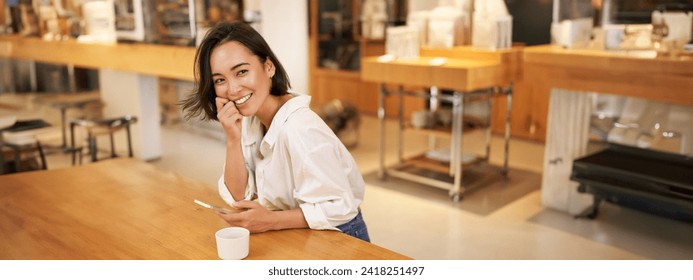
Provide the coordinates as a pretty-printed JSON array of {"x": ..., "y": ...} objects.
[{"x": 300, "y": 162}]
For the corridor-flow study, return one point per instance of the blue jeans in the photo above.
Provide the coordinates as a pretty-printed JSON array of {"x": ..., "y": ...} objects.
[{"x": 356, "y": 228}]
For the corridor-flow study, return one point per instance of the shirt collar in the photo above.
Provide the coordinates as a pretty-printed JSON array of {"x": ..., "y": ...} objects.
[{"x": 280, "y": 118}]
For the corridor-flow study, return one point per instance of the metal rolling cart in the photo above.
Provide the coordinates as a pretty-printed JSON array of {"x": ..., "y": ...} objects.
[{"x": 477, "y": 80}]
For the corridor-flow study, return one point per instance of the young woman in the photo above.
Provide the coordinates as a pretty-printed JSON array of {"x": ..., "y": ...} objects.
[{"x": 284, "y": 165}]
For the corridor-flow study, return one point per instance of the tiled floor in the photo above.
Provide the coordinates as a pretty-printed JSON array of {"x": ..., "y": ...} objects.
[{"x": 415, "y": 224}]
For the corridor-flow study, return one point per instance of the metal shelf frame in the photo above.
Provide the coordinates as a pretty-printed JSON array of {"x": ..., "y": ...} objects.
[{"x": 456, "y": 167}]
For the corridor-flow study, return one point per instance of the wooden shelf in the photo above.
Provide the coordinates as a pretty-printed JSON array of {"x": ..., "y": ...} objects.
[
  {"x": 166, "y": 61},
  {"x": 441, "y": 130},
  {"x": 373, "y": 41},
  {"x": 422, "y": 161},
  {"x": 438, "y": 131},
  {"x": 325, "y": 37}
]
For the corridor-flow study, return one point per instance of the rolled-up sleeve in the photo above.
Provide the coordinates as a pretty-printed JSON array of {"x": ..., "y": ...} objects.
[
  {"x": 250, "y": 189},
  {"x": 323, "y": 187}
]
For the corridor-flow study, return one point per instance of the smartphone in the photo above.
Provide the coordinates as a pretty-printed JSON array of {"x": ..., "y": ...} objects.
[{"x": 215, "y": 208}]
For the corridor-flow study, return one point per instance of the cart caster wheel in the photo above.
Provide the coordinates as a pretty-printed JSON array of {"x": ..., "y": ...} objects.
[{"x": 456, "y": 197}]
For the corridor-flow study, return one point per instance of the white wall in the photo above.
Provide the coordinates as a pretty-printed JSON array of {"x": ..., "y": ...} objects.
[
  {"x": 285, "y": 27},
  {"x": 129, "y": 93}
]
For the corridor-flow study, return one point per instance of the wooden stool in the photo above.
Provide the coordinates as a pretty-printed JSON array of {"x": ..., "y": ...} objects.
[
  {"x": 17, "y": 163},
  {"x": 95, "y": 128}
]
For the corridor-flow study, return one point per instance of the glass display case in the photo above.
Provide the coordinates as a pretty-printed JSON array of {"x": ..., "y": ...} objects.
[
  {"x": 640, "y": 12},
  {"x": 129, "y": 20},
  {"x": 210, "y": 12},
  {"x": 338, "y": 47},
  {"x": 170, "y": 22},
  {"x": 214, "y": 11}
]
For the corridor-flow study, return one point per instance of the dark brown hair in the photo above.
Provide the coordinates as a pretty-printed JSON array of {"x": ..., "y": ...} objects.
[{"x": 202, "y": 99}]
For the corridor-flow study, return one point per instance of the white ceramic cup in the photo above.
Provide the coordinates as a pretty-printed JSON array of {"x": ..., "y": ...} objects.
[{"x": 233, "y": 243}]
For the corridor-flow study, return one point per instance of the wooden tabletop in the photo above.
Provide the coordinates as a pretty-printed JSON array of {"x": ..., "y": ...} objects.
[
  {"x": 459, "y": 74},
  {"x": 465, "y": 68},
  {"x": 128, "y": 209}
]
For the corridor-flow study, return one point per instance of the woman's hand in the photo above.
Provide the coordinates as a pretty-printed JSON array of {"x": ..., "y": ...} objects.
[
  {"x": 229, "y": 117},
  {"x": 255, "y": 218}
]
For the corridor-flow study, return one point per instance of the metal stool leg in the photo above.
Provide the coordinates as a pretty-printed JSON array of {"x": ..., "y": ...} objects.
[
  {"x": 110, "y": 136},
  {"x": 92, "y": 147},
  {"x": 73, "y": 149},
  {"x": 2, "y": 160},
  {"x": 44, "y": 166},
  {"x": 127, "y": 131},
  {"x": 17, "y": 160}
]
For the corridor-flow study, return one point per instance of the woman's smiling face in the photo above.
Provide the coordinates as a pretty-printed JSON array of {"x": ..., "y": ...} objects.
[{"x": 239, "y": 76}]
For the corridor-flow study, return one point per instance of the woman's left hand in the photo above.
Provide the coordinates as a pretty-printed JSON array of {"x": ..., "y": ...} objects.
[{"x": 255, "y": 218}]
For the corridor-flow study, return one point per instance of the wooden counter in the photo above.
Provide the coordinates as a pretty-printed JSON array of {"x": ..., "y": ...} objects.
[
  {"x": 157, "y": 60},
  {"x": 128, "y": 209},
  {"x": 556, "y": 79},
  {"x": 620, "y": 73}
]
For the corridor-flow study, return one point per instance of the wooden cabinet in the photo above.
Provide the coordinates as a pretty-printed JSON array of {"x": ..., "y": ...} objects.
[
  {"x": 2, "y": 14},
  {"x": 334, "y": 53},
  {"x": 530, "y": 107}
]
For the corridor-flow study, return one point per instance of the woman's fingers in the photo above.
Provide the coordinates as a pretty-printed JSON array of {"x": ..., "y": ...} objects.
[
  {"x": 254, "y": 217},
  {"x": 240, "y": 219},
  {"x": 220, "y": 102},
  {"x": 225, "y": 106},
  {"x": 226, "y": 109},
  {"x": 228, "y": 115}
]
